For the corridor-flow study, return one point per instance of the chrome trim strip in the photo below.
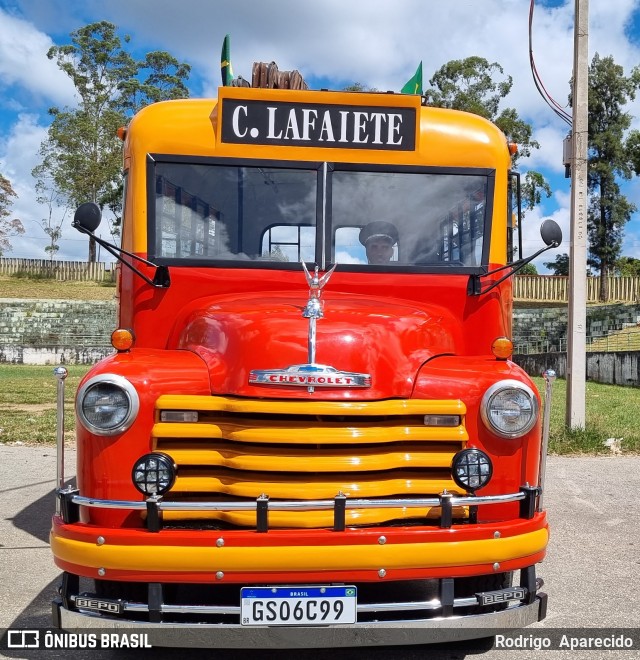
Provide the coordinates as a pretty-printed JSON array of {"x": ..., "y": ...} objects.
[
  {"x": 549, "y": 377},
  {"x": 61, "y": 374},
  {"x": 388, "y": 633},
  {"x": 309, "y": 505},
  {"x": 323, "y": 247}
]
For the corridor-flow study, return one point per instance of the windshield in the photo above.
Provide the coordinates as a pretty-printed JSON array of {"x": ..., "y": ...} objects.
[{"x": 245, "y": 214}]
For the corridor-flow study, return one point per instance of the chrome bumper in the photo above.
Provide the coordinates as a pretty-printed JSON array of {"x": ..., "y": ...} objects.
[
  {"x": 427, "y": 631},
  {"x": 69, "y": 501}
]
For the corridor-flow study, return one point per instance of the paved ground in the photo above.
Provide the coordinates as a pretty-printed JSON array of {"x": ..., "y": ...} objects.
[{"x": 592, "y": 572}]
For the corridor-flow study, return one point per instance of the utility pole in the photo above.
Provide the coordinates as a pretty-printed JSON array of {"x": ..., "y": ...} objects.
[{"x": 576, "y": 333}]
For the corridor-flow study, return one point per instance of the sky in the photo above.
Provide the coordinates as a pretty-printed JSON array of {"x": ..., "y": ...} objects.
[{"x": 333, "y": 43}]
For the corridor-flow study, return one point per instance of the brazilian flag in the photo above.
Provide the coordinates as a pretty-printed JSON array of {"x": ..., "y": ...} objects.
[
  {"x": 414, "y": 86},
  {"x": 225, "y": 62}
]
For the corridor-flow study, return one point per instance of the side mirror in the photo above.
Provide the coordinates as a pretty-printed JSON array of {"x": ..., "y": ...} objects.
[
  {"x": 87, "y": 217},
  {"x": 551, "y": 233}
]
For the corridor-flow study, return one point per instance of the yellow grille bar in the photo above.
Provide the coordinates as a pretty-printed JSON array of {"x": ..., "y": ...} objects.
[
  {"x": 304, "y": 433},
  {"x": 250, "y": 406},
  {"x": 292, "y": 486},
  {"x": 305, "y": 459}
]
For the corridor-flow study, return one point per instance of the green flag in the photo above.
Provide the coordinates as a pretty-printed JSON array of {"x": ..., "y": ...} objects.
[
  {"x": 414, "y": 86},
  {"x": 225, "y": 62}
]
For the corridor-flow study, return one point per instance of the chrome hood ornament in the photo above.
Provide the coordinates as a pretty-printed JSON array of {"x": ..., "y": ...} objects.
[
  {"x": 311, "y": 375},
  {"x": 313, "y": 309}
]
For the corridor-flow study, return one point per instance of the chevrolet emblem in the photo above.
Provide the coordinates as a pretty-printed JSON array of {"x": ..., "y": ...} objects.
[{"x": 309, "y": 375}]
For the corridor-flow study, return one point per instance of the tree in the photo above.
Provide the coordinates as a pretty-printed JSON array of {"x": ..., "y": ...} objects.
[
  {"x": 82, "y": 154},
  {"x": 528, "y": 269},
  {"x": 8, "y": 227},
  {"x": 47, "y": 196},
  {"x": 470, "y": 85},
  {"x": 560, "y": 266},
  {"x": 164, "y": 80},
  {"x": 533, "y": 187},
  {"x": 628, "y": 267},
  {"x": 359, "y": 87},
  {"x": 612, "y": 154}
]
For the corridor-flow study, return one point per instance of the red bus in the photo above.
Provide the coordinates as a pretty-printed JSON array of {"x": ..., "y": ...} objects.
[{"x": 311, "y": 432}]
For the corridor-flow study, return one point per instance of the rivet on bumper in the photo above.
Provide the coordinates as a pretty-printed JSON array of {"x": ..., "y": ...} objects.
[
  {"x": 219, "y": 575},
  {"x": 382, "y": 573},
  {"x": 496, "y": 566},
  {"x": 220, "y": 542},
  {"x": 100, "y": 540}
]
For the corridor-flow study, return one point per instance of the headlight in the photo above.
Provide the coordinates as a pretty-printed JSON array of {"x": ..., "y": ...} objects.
[
  {"x": 107, "y": 404},
  {"x": 153, "y": 474},
  {"x": 471, "y": 469},
  {"x": 509, "y": 408}
]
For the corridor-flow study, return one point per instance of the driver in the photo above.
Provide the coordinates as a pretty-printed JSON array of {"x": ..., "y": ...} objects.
[{"x": 378, "y": 239}]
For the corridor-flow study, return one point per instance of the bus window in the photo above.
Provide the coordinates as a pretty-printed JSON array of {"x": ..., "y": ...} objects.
[
  {"x": 439, "y": 217},
  {"x": 287, "y": 243},
  {"x": 220, "y": 212}
]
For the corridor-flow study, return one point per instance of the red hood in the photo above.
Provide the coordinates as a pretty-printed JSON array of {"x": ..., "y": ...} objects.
[{"x": 390, "y": 341}]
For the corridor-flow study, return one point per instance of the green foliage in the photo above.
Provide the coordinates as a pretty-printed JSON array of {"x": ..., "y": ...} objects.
[
  {"x": 628, "y": 267},
  {"x": 474, "y": 85},
  {"x": 613, "y": 154},
  {"x": 528, "y": 269},
  {"x": 359, "y": 87},
  {"x": 469, "y": 85},
  {"x": 532, "y": 189},
  {"x": 560, "y": 266},
  {"x": 8, "y": 227},
  {"x": 81, "y": 158},
  {"x": 164, "y": 80}
]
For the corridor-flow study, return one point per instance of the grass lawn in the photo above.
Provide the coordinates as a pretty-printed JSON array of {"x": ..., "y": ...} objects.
[
  {"x": 49, "y": 289},
  {"x": 611, "y": 412},
  {"x": 28, "y": 398}
]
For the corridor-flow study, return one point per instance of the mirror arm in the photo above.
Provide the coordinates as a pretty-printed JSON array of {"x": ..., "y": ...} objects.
[
  {"x": 161, "y": 278},
  {"x": 475, "y": 284}
]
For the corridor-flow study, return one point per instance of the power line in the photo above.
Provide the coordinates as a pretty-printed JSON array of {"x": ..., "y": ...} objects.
[{"x": 548, "y": 99}]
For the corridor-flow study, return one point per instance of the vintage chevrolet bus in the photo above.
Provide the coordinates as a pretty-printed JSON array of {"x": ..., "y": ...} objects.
[{"x": 295, "y": 443}]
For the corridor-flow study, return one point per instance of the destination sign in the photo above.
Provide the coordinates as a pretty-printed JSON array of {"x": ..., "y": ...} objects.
[{"x": 318, "y": 125}]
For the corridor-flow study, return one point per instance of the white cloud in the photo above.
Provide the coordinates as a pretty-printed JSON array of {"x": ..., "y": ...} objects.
[
  {"x": 549, "y": 155},
  {"x": 18, "y": 156},
  {"x": 24, "y": 65}
]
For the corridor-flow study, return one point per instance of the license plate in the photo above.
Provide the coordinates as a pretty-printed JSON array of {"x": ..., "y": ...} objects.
[{"x": 297, "y": 606}]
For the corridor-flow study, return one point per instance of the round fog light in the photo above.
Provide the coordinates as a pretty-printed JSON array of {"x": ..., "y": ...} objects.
[
  {"x": 471, "y": 469},
  {"x": 154, "y": 474}
]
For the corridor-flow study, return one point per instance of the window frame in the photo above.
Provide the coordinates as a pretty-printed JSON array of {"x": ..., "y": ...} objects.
[{"x": 323, "y": 214}]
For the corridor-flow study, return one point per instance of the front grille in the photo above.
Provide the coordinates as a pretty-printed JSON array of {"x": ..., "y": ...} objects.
[{"x": 240, "y": 449}]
